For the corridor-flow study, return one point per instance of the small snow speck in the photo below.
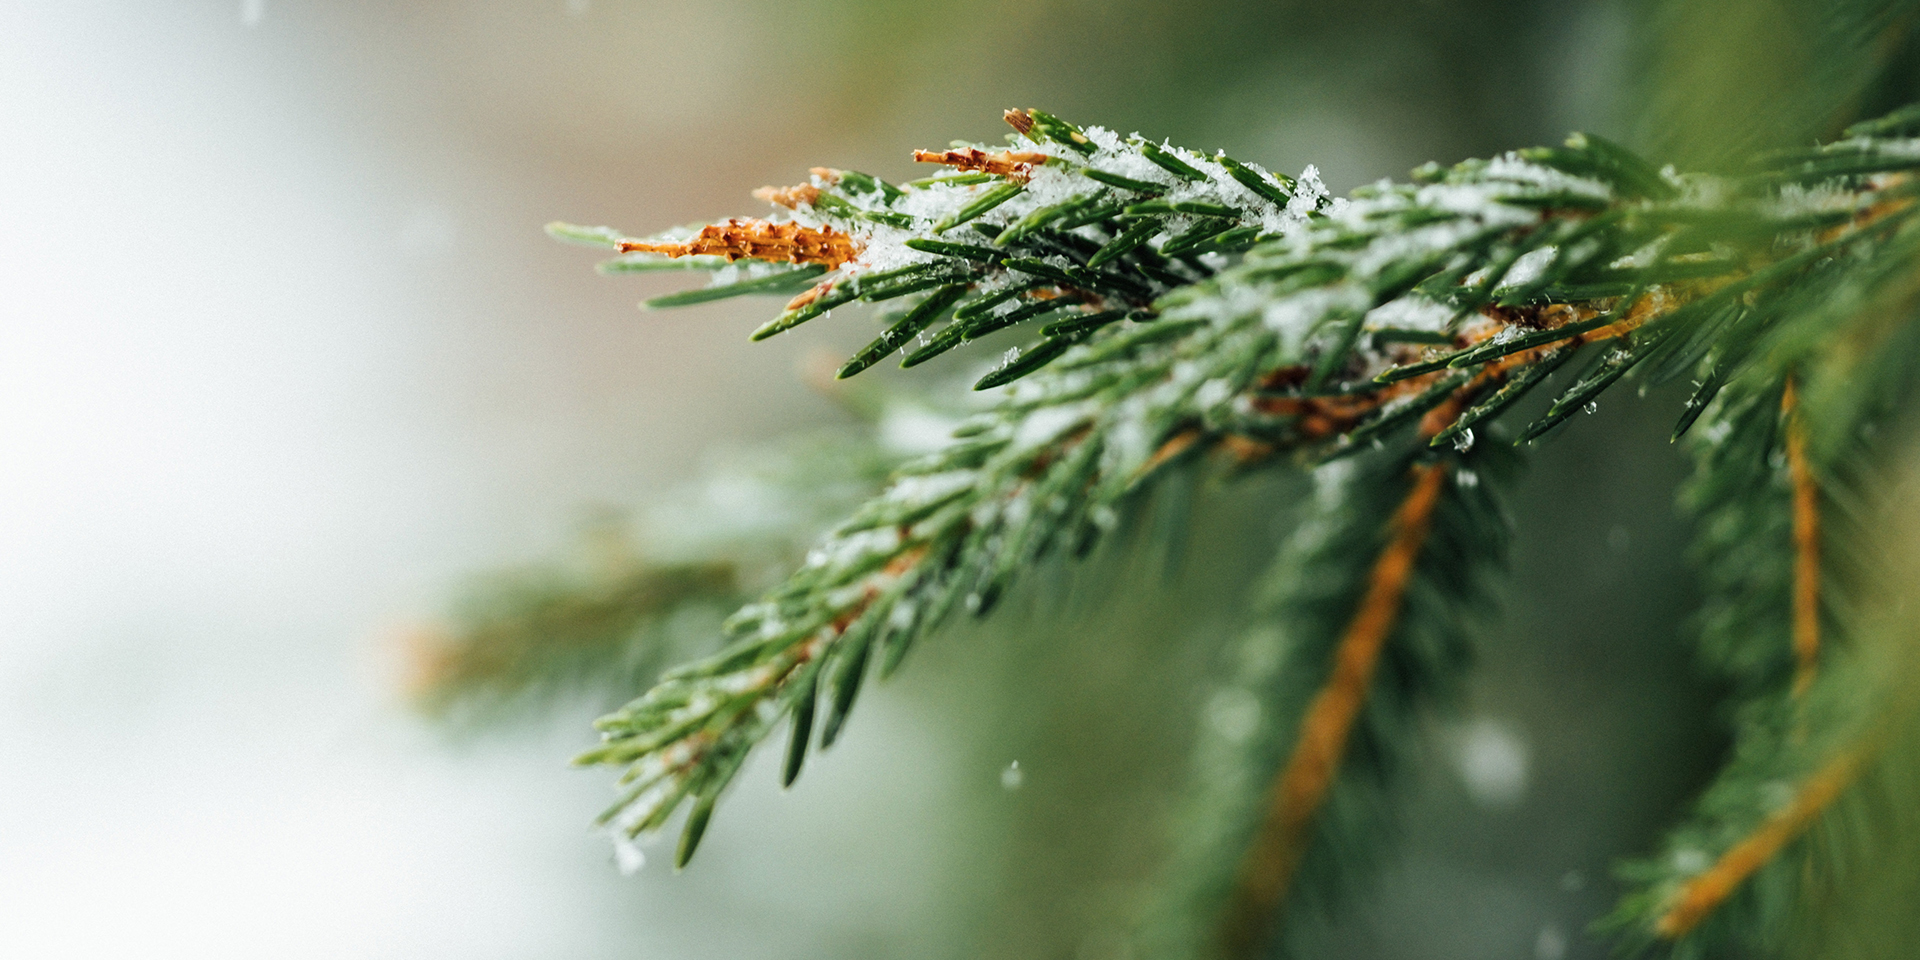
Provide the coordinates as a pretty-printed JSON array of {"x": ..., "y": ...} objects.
[
  {"x": 1529, "y": 267},
  {"x": 1551, "y": 944},
  {"x": 1690, "y": 860},
  {"x": 1777, "y": 795},
  {"x": 1492, "y": 760},
  {"x": 1012, "y": 777},
  {"x": 1234, "y": 713},
  {"x": 627, "y": 855}
]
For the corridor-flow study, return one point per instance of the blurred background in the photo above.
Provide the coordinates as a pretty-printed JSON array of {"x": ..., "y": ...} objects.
[{"x": 285, "y": 359}]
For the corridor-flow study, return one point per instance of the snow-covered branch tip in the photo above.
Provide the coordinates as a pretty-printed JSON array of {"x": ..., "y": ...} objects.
[{"x": 1184, "y": 303}]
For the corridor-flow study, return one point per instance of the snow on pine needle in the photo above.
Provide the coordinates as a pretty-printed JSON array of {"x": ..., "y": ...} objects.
[{"x": 1187, "y": 304}]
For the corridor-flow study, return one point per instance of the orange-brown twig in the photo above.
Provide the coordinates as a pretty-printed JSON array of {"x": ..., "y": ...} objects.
[
  {"x": 1175, "y": 445},
  {"x": 1326, "y": 416},
  {"x": 1806, "y": 545},
  {"x": 1017, "y": 164},
  {"x": 759, "y": 240},
  {"x": 870, "y": 591},
  {"x": 1700, "y": 896},
  {"x": 802, "y": 194},
  {"x": 793, "y": 198},
  {"x": 1303, "y": 785},
  {"x": 812, "y": 293},
  {"x": 1653, "y": 304},
  {"x": 1322, "y": 417}
]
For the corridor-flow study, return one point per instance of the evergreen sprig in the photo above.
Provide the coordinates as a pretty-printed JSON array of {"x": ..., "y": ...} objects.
[
  {"x": 1786, "y": 489},
  {"x": 1082, "y": 228},
  {"x": 629, "y": 606},
  {"x": 1363, "y": 624},
  {"x": 1197, "y": 304}
]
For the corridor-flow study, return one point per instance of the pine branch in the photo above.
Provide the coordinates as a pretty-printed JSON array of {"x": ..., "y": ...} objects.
[
  {"x": 1708, "y": 890},
  {"x": 1806, "y": 544},
  {"x": 1160, "y": 218},
  {"x": 1343, "y": 325},
  {"x": 1366, "y": 625},
  {"x": 1779, "y": 827},
  {"x": 1321, "y": 743},
  {"x": 611, "y": 619},
  {"x": 543, "y": 632},
  {"x": 1786, "y": 490}
]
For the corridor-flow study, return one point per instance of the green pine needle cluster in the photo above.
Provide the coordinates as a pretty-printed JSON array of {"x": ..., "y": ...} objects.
[{"x": 1179, "y": 305}]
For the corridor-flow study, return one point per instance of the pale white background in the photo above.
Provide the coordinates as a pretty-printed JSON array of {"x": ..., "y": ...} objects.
[{"x": 283, "y": 357}]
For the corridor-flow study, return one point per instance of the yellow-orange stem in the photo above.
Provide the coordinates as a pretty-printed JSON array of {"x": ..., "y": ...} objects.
[
  {"x": 1324, "y": 729},
  {"x": 1806, "y": 546},
  {"x": 759, "y": 240},
  {"x": 1176, "y": 445},
  {"x": 1017, "y": 164},
  {"x": 1700, "y": 896},
  {"x": 793, "y": 198}
]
